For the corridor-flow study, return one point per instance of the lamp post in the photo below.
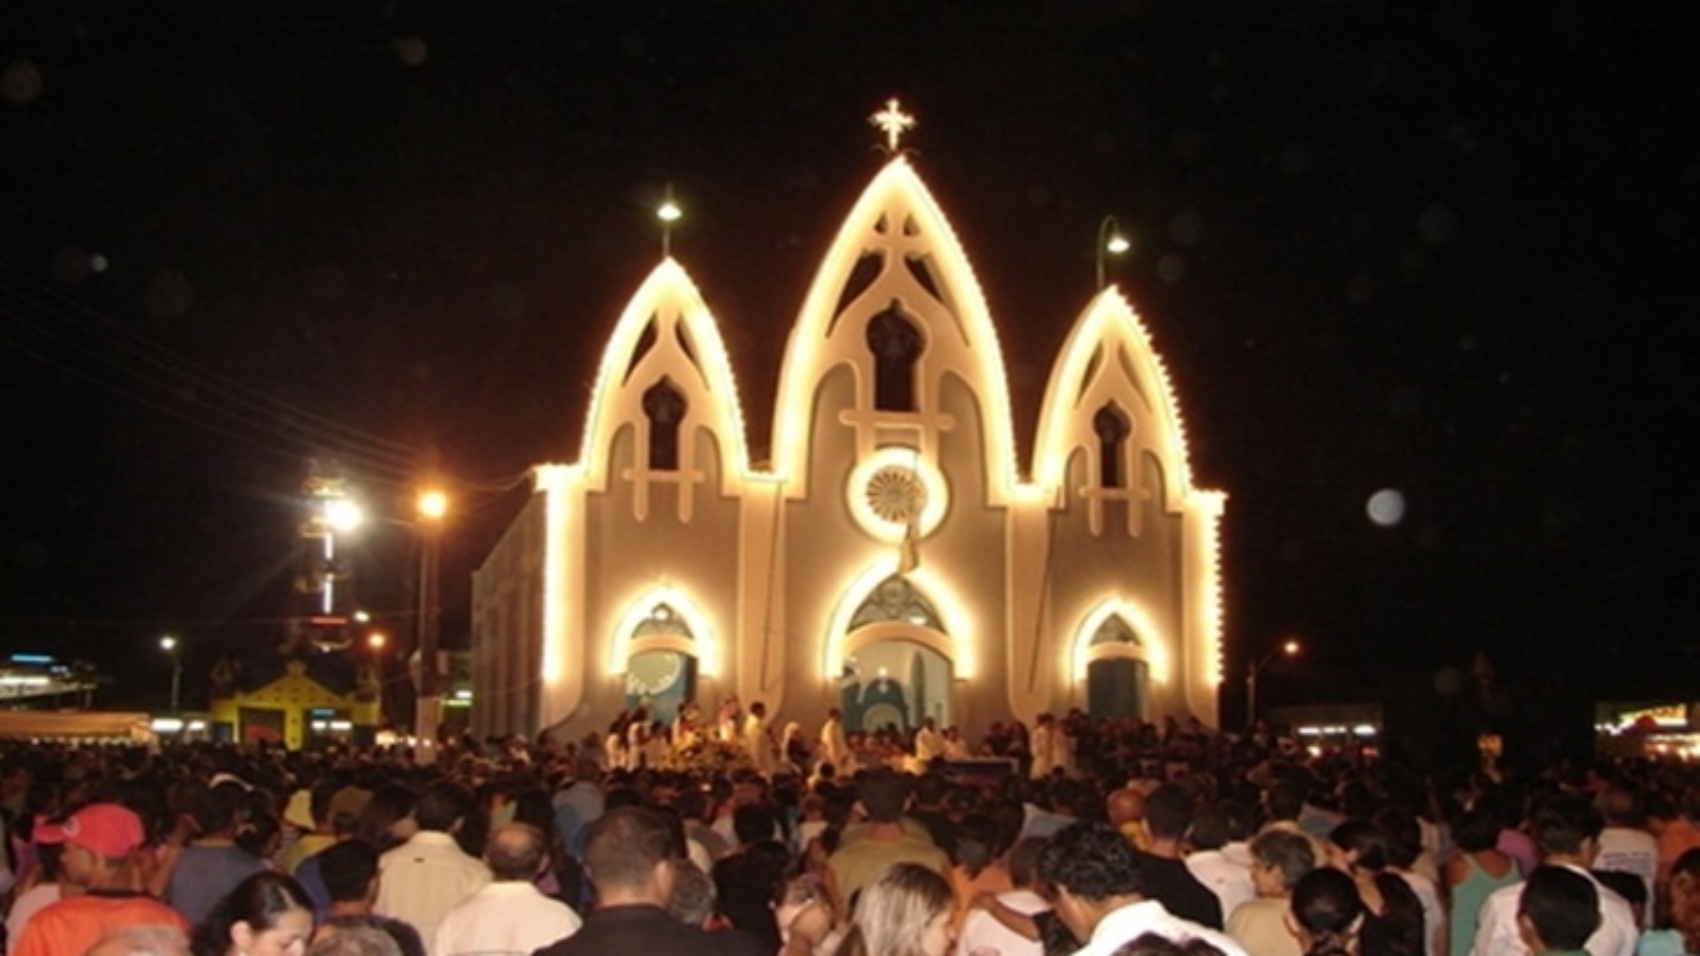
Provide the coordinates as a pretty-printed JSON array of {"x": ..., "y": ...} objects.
[
  {"x": 375, "y": 642},
  {"x": 433, "y": 505},
  {"x": 1110, "y": 242},
  {"x": 168, "y": 644},
  {"x": 669, "y": 213},
  {"x": 1288, "y": 648}
]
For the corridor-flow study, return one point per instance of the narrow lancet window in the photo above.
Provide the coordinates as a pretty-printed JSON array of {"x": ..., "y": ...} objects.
[
  {"x": 1112, "y": 428},
  {"x": 896, "y": 346},
  {"x": 664, "y": 406}
]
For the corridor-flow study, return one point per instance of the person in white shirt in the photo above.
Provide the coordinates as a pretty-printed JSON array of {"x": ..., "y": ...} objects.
[
  {"x": 1626, "y": 845},
  {"x": 758, "y": 740},
  {"x": 1279, "y": 860},
  {"x": 982, "y": 928},
  {"x": 955, "y": 748},
  {"x": 424, "y": 877},
  {"x": 1566, "y": 831},
  {"x": 929, "y": 743},
  {"x": 834, "y": 749},
  {"x": 509, "y": 915},
  {"x": 1099, "y": 896},
  {"x": 1045, "y": 745},
  {"x": 1220, "y": 859},
  {"x": 1404, "y": 835}
]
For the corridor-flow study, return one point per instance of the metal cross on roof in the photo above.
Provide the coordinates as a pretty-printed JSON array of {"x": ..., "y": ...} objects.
[{"x": 893, "y": 122}]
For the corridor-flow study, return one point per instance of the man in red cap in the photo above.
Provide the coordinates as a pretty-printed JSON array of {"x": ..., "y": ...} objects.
[{"x": 99, "y": 840}]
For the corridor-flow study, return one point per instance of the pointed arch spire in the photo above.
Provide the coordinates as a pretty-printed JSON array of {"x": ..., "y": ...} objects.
[
  {"x": 895, "y": 260},
  {"x": 1108, "y": 363},
  {"x": 665, "y": 374}
]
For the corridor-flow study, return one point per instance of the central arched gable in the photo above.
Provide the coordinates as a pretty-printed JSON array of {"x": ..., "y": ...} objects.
[{"x": 895, "y": 295}]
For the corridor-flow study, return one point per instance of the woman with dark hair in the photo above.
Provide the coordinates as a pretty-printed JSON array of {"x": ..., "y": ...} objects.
[
  {"x": 1393, "y": 916},
  {"x": 1327, "y": 913},
  {"x": 267, "y": 914},
  {"x": 1682, "y": 935}
]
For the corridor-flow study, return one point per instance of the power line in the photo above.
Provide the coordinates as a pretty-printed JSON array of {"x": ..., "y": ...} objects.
[
  {"x": 182, "y": 380},
  {"x": 178, "y": 623},
  {"x": 172, "y": 361},
  {"x": 221, "y": 420}
]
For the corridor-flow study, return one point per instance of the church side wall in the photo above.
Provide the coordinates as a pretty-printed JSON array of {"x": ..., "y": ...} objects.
[
  {"x": 1087, "y": 570},
  {"x": 507, "y": 627},
  {"x": 627, "y": 559}
]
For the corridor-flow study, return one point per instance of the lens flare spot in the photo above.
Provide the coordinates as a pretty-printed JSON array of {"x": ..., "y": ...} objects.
[{"x": 1386, "y": 507}]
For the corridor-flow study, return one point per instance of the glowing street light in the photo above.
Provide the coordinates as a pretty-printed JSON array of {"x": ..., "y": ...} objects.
[
  {"x": 1288, "y": 648},
  {"x": 433, "y": 505},
  {"x": 169, "y": 645},
  {"x": 343, "y": 514},
  {"x": 1111, "y": 242}
]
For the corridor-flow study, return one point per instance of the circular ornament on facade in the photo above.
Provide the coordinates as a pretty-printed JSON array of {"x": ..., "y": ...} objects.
[
  {"x": 896, "y": 494},
  {"x": 893, "y": 489}
]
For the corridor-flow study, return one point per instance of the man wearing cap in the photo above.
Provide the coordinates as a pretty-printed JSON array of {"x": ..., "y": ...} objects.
[{"x": 98, "y": 841}]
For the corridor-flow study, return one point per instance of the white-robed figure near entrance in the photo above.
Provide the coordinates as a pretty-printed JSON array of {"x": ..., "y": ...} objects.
[
  {"x": 834, "y": 746},
  {"x": 897, "y": 558}
]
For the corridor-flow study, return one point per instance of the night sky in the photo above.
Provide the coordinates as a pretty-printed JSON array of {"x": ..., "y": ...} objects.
[{"x": 1439, "y": 248}]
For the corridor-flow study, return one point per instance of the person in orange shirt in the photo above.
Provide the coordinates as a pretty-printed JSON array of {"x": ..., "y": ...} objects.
[
  {"x": 1675, "y": 829},
  {"x": 99, "y": 841}
]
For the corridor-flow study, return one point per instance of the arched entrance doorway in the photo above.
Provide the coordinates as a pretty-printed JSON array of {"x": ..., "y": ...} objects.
[
  {"x": 661, "y": 671},
  {"x": 1117, "y": 675},
  {"x": 897, "y": 667}
]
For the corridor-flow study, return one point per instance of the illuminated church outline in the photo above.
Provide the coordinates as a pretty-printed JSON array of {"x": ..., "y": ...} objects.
[{"x": 893, "y": 559}]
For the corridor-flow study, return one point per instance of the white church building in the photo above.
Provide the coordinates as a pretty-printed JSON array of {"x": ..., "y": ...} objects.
[{"x": 895, "y": 558}]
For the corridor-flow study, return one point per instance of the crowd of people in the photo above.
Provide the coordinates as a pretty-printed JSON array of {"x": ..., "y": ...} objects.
[{"x": 1075, "y": 837}]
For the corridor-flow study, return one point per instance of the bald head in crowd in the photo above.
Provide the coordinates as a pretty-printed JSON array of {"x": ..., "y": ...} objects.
[
  {"x": 516, "y": 853},
  {"x": 1125, "y": 806},
  {"x": 142, "y": 941}
]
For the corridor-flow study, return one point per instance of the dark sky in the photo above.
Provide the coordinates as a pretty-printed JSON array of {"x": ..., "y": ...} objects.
[{"x": 1440, "y": 248}]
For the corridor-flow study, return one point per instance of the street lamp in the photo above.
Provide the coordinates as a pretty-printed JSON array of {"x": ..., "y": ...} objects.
[
  {"x": 168, "y": 644},
  {"x": 1288, "y": 648},
  {"x": 1110, "y": 242},
  {"x": 433, "y": 506}
]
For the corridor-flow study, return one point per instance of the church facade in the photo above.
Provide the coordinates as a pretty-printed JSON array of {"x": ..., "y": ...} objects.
[{"x": 894, "y": 558}]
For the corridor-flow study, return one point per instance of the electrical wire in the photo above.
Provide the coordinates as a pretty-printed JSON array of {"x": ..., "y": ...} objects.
[
  {"x": 223, "y": 421},
  {"x": 144, "y": 348}
]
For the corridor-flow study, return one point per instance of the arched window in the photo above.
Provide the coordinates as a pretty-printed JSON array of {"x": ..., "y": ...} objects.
[
  {"x": 1112, "y": 428},
  {"x": 1118, "y": 677},
  {"x": 895, "y": 599},
  {"x": 665, "y": 408},
  {"x": 658, "y": 674},
  {"x": 896, "y": 345}
]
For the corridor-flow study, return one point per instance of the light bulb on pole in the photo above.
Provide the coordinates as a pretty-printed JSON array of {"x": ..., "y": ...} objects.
[
  {"x": 1111, "y": 242},
  {"x": 169, "y": 645},
  {"x": 669, "y": 213},
  {"x": 1287, "y": 648}
]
